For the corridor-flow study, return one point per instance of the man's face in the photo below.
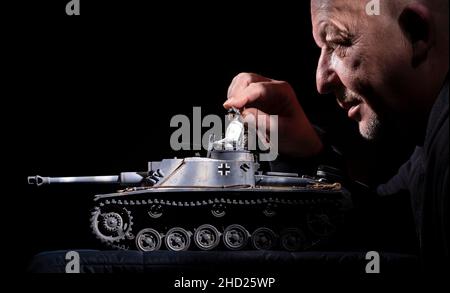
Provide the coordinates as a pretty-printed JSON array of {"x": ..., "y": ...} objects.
[{"x": 364, "y": 61}]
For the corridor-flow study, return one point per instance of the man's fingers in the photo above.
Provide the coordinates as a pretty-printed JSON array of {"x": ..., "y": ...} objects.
[
  {"x": 258, "y": 122},
  {"x": 253, "y": 116},
  {"x": 274, "y": 97},
  {"x": 237, "y": 103},
  {"x": 243, "y": 80}
]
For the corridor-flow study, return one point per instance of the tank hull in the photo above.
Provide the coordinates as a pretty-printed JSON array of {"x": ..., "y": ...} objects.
[{"x": 179, "y": 219}]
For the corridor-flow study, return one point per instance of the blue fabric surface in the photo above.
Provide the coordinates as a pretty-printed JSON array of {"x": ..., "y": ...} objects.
[{"x": 95, "y": 261}]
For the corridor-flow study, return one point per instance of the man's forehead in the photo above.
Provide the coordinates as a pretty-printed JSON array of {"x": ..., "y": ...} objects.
[
  {"x": 337, "y": 16},
  {"x": 338, "y": 7}
]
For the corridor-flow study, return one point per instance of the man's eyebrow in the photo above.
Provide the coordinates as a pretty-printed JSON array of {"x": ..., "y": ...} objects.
[{"x": 330, "y": 29}]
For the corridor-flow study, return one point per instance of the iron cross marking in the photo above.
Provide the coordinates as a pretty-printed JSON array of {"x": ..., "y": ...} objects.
[{"x": 224, "y": 169}]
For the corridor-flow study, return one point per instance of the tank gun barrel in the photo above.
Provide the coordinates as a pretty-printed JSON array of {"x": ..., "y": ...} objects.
[{"x": 125, "y": 178}]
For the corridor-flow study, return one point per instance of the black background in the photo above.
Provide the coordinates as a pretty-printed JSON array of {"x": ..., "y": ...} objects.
[{"x": 94, "y": 94}]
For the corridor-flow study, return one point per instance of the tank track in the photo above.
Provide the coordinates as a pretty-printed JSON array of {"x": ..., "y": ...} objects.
[{"x": 273, "y": 219}]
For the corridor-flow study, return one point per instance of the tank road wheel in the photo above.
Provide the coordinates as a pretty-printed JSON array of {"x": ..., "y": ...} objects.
[
  {"x": 148, "y": 240},
  {"x": 178, "y": 239},
  {"x": 206, "y": 237},
  {"x": 112, "y": 225},
  {"x": 292, "y": 239},
  {"x": 264, "y": 239},
  {"x": 235, "y": 237}
]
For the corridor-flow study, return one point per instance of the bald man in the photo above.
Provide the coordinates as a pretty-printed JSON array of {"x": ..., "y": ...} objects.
[{"x": 386, "y": 71}]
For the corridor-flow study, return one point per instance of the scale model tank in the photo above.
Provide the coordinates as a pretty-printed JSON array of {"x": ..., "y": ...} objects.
[{"x": 218, "y": 202}]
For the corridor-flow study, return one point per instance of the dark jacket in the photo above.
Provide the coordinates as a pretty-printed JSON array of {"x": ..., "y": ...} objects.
[{"x": 426, "y": 177}]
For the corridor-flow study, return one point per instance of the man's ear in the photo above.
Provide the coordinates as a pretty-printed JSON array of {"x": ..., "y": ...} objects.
[{"x": 416, "y": 22}]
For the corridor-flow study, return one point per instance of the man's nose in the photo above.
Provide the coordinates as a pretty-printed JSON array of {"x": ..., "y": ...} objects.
[{"x": 327, "y": 79}]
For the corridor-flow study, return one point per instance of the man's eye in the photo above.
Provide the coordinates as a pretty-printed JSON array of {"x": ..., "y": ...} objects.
[
  {"x": 339, "y": 47},
  {"x": 346, "y": 42},
  {"x": 341, "y": 51}
]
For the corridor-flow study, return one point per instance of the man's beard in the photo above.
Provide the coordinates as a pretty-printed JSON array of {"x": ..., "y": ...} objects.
[{"x": 372, "y": 128}]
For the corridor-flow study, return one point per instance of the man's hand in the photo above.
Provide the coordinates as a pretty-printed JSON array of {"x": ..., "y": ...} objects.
[{"x": 258, "y": 95}]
